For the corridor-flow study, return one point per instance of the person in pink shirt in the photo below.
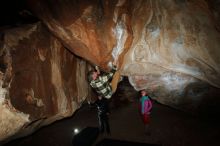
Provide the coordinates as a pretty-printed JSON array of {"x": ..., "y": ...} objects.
[{"x": 144, "y": 108}]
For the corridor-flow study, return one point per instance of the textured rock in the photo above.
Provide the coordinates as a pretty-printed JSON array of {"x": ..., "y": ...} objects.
[
  {"x": 214, "y": 6},
  {"x": 11, "y": 122},
  {"x": 41, "y": 81},
  {"x": 170, "y": 48},
  {"x": 90, "y": 29}
]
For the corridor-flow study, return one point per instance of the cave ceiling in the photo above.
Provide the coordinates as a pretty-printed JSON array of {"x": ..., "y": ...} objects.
[{"x": 150, "y": 39}]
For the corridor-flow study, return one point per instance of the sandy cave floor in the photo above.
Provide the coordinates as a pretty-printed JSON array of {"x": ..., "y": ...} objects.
[{"x": 168, "y": 127}]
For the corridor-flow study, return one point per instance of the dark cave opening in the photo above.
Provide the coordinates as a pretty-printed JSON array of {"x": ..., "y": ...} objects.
[{"x": 15, "y": 13}]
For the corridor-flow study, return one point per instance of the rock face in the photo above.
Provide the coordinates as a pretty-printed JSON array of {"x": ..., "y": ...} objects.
[
  {"x": 40, "y": 80},
  {"x": 170, "y": 48},
  {"x": 90, "y": 29}
]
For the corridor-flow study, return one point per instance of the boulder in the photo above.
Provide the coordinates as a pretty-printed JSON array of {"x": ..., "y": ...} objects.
[
  {"x": 41, "y": 81},
  {"x": 170, "y": 48}
]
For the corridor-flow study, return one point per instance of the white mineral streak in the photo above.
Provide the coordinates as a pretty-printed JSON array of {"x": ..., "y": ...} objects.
[
  {"x": 120, "y": 3},
  {"x": 11, "y": 121},
  {"x": 3, "y": 91},
  {"x": 121, "y": 35},
  {"x": 57, "y": 29},
  {"x": 41, "y": 54},
  {"x": 56, "y": 77},
  {"x": 81, "y": 80},
  {"x": 173, "y": 42}
]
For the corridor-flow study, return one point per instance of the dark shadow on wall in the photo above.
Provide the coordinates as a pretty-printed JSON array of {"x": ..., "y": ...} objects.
[
  {"x": 124, "y": 94},
  {"x": 15, "y": 13}
]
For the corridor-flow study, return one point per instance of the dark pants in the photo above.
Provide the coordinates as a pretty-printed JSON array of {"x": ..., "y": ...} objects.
[{"x": 103, "y": 123}]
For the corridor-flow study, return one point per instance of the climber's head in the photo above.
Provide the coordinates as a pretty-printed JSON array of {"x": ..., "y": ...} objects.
[{"x": 92, "y": 75}]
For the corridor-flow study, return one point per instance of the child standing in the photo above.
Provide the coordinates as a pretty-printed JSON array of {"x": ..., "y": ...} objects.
[{"x": 145, "y": 107}]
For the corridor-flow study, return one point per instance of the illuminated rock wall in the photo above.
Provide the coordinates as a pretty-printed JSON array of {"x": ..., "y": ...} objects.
[
  {"x": 41, "y": 81},
  {"x": 170, "y": 48}
]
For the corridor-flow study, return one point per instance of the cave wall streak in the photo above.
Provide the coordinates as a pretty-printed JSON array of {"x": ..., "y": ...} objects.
[{"x": 41, "y": 81}]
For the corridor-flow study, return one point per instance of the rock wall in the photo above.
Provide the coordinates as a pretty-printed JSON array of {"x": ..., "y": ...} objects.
[
  {"x": 90, "y": 29},
  {"x": 41, "y": 81},
  {"x": 170, "y": 48}
]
